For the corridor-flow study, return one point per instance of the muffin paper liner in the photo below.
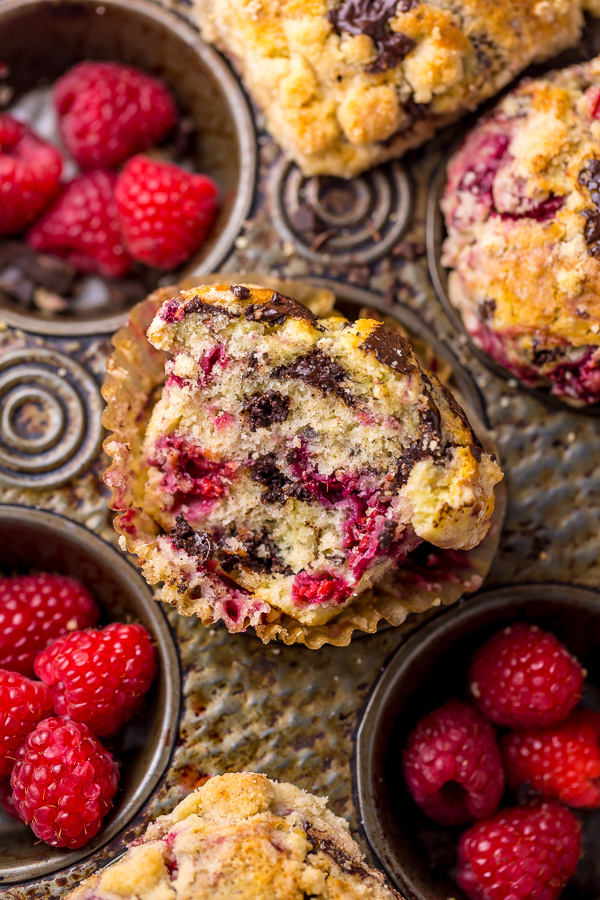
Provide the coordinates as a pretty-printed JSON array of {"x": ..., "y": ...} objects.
[{"x": 135, "y": 375}]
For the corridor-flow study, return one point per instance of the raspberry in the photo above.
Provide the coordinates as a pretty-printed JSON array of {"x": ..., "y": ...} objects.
[
  {"x": 22, "y": 704},
  {"x": 452, "y": 765},
  {"x": 29, "y": 175},
  {"x": 166, "y": 212},
  {"x": 525, "y": 678},
  {"x": 109, "y": 111},
  {"x": 562, "y": 762},
  {"x": 83, "y": 227},
  {"x": 36, "y": 609},
  {"x": 322, "y": 587},
  {"x": 63, "y": 783},
  {"x": 99, "y": 677},
  {"x": 521, "y": 854}
]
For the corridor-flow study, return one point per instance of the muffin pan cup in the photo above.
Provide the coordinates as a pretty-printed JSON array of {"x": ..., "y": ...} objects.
[
  {"x": 41, "y": 39},
  {"x": 285, "y": 711},
  {"x": 35, "y": 540}
]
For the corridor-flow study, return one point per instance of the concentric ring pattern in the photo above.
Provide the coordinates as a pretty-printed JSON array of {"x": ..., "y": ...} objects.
[
  {"x": 50, "y": 411},
  {"x": 333, "y": 220}
]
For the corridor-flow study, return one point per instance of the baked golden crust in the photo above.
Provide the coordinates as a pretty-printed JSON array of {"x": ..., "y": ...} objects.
[
  {"x": 242, "y": 835},
  {"x": 522, "y": 208},
  {"x": 131, "y": 412},
  {"x": 346, "y": 85}
]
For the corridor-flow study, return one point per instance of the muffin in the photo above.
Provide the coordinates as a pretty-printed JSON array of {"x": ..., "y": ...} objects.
[
  {"x": 522, "y": 211},
  {"x": 287, "y": 463},
  {"x": 346, "y": 85},
  {"x": 245, "y": 836}
]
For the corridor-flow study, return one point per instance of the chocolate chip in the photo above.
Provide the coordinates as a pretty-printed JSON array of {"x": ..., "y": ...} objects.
[
  {"x": 196, "y": 305},
  {"x": 240, "y": 291},
  {"x": 487, "y": 308},
  {"x": 476, "y": 445},
  {"x": 390, "y": 348},
  {"x": 265, "y": 409},
  {"x": 195, "y": 543},
  {"x": 319, "y": 371},
  {"x": 280, "y": 488},
  {"x": 385, "y": 538},
  {"x": 372, "y": 17},
  {"x": 277, "y": 309},
  {"x": 589, "y": 177},
  {"x": 340, "y": 857},
  {"x": 258, "y": 552}
]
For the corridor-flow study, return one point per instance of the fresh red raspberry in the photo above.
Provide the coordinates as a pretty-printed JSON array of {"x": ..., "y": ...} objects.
[
  {"x": 321, "y": 587},
  {"x": 109, "y": 111},
  {"x": 29, "y": 175},
  {"x": 36, "y": 609},
  {"x": 99, "y": 677},
  {"x": 452, "y": 765},
  {"x": 562, "y": 762},
  {"x": 524, "y": 677},
  {"x": 166, "y": 212},
  {"x": 527, "y": 853},
  {"x": 83, "y": 227},
  {"x": 63, "y": 783},
  {"x": 22, "y": 704}
]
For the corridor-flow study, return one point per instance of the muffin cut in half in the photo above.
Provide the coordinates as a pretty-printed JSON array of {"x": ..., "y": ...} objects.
[
  {"x": 346, "y": 84},
  {"x": 288, "y": 462},
  {"x": 522, "y": 210},
  {"x": 242, "y": 835}
]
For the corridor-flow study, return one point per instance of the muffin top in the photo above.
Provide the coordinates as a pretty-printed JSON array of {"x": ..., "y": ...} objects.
[
  {"x": 522, "y": 208},
  {"x": 242, "y": 835},
  {"x": 349, "y": 83}
]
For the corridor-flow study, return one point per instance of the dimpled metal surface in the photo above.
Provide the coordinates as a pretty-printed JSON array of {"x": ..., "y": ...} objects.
[{"x": 287, "y": 711}]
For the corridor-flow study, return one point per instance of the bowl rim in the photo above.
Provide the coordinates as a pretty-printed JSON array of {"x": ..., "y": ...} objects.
[
  {"x": 386, "y": 686},
  {"x": 246, "y": 134},
  {"x": 168, "y": 657}
]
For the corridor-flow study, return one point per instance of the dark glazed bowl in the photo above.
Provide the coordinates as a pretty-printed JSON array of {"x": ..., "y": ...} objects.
[
  {"x": 33, "y": 540},
  {"x": 426, "y": 671},
  {"x": 40, "y": 39}
]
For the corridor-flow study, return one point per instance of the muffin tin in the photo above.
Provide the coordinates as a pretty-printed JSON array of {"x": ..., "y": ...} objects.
[{"x": 286, "y": 711}]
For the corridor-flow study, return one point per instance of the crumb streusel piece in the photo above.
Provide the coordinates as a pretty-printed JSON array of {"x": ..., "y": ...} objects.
[
  {"x": 349, "y": 84},
  {"x": 242, "y": 835},
  {"x": 290, "y": 461},
  {"x": 522, "y": 209}
]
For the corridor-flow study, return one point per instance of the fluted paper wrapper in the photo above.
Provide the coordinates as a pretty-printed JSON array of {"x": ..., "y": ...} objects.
[{"x": 136, "y": 374}]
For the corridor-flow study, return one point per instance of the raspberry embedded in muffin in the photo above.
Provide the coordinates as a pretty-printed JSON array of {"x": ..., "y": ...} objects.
[
  {"x": 291, "y": 462},
  {"x": 522, "y": 209}
]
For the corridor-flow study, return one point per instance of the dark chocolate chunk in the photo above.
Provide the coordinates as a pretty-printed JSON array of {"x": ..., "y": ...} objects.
[
  {"x": 260, "y": 553},
  {"x": 195, "y": 543},
  {"x": 475, "y": 445},
  {"x": 22, "y": 269},
  {"x": 372, "y": 17},
  {"x": 319, "y": 371},
  {"x": 487, "y": 308},
  {"x": 385, "y": 538},
  {"x": 279, "y": 488},
  {"x": 277, "y": 309},
  {"x": 433, "y": 417},
  {"x": 197, "y": 305},
  {"x": 240, "y": 291},
  {"x": 265, "y": 409},
  {"x": 589, "y": 177},
  {"x": 322, "y": 842},
  {"x": 390, "y": 348}
]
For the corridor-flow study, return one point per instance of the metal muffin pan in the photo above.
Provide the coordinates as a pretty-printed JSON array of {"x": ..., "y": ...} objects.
[
  {"x": 33, "y": 540},
  {"x": 427, "y": 670},
  {"x": 41, "y": 39},
  {"x": 287, "y": 711}
]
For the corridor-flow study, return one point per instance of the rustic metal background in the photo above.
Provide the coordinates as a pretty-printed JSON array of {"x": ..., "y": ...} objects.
[{"x": 291, "y": 712}]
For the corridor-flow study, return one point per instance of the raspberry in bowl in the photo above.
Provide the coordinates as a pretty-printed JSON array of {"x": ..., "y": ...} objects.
[
  {"x": 432, "y": 718},
  {"x": 519, "y": 264},
  {"x": 100, "y": 87},
  {"x": 93, "y": 613}
]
